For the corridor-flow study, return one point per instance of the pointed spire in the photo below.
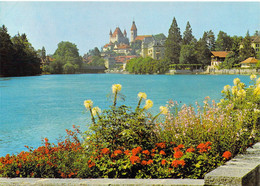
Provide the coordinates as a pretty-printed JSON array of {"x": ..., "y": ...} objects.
[
  {"x": 133, "y": 26},
  {"x": 110, "y": 33},
  {"x": 125, "y": 33}
]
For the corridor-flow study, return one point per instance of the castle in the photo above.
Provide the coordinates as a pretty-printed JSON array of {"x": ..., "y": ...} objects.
[
  {"x": 141, "y": 45},
  {"x": 118, "y": 41}
]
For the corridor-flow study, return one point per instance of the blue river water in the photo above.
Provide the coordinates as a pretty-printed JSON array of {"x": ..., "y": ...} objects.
[{"x": 32, "y": 108}]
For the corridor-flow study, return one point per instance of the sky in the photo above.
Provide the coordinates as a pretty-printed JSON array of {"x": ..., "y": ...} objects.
[{"x": 87, "y": 23}]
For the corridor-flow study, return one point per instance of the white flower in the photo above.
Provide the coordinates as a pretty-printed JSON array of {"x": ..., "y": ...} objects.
[
  {"x": 164, "y": 110},
  {"x": 241, "y": 93},
  {"x": 88, "y": 104},
  {"x": 226, "y": 88},
  {"x": 236, "y": 81},
  {"x": 234, "y": 90},
  {"x": 253, "y": 77},
  {"x": 148, "y": 104},
  {"x": 96, "y": 110},
  {"x": 257, "y": 111},
  {"x": 116, "y": 88},
  {"x": 142, "y": 95}
]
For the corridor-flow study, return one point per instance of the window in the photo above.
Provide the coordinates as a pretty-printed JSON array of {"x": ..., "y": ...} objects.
[
  {"x": 257, "y": 45},
  {"x": 257, "y": 49}
]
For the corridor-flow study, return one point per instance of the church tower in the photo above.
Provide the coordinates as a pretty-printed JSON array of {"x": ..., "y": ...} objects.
[
  {"x": 110, "y": 35},
  {"x": 133, "y": 32}
]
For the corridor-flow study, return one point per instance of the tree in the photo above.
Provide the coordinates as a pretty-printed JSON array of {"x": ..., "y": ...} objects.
[
  {"x": 223, "y": 42},
  {"x": 26, "y": 61},
  {"x": 6, "y": 53},
  {"x": 246, "y": 49},
  {"x": 94, "y": 52},
  {"x": 173, "y": 43},
  {"x": 257, "y": 33},
  {"x": 210, "y": 39},
  {"x": 187, "y": 35},
  {"x": 232, "y": 59},
  {"x": 66, "y": 53},
  {"x": 202, "y": 51},
  {"x": 188, "y": 54}
]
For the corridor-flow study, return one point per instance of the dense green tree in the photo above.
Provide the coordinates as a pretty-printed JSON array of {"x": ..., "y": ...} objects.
[
  {"x": 66, "y": 52},
  {"x": 146, "y": 66},
  {"x": 188, "y": 38},
  {"x": 6, "y": 53},
  {"x": 25, "y": 59},
  {"x": 246, "y": 49},
  {"x": 173, "y": 43},
  {"x": 257, "y": 33},
  {"x": 223, "y": 42},
  {"x": 202, "y": 51},
  {"x": 232, "y": 59},
  {"x": 188, "y": 54}
]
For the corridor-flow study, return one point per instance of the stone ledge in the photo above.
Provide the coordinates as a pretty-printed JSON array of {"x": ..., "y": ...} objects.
[
  {"x": 242, "y": 170},
  {"x": 101, "y": 182}
]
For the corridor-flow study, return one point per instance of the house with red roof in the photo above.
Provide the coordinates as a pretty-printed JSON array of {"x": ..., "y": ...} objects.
[
  {"x": 249, "y": 62},
  {"x": 218, "y": 57}
]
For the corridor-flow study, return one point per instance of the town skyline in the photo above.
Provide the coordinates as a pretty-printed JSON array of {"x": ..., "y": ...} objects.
[{"x": 87, "y": 24}]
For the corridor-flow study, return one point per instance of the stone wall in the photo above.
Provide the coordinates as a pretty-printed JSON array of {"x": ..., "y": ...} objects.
[{"x": 233, "y": 71}]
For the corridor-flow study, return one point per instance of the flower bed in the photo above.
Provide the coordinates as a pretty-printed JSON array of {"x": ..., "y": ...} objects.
[{"x": 185, "y": 142}]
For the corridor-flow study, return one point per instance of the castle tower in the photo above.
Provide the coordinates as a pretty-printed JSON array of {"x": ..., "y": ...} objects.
[
  {"x": 133, "y": 32},
  {"x": 110, "y": 35}
]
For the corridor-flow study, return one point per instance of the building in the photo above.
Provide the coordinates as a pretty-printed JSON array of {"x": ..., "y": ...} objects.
[
  {"x": 249, "y": 62},
  {"x": 218, "y": 57},
  {"x": 122, "y": 49},
  {"x": 118, "y": 62},
  {"x": 118, "y": 37},
  {"x": 133, "y": 32},
  {"x": 153, "y": 47}
]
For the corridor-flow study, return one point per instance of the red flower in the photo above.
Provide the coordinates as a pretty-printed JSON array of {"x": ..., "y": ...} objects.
[
  {"x": 149, "y": 162},
  {"x": 227, "y": 155},
  {"x": 161, "y": 145},
  {"x": 91, "y": 164},
  {"x": 144, "y": 162},
  {"x": 162, "y": 152},
  {"x": 127, "y": 152},
  {"x": 178, "y": 154},
  {"x": 136, "y": 150},
  {"x": 105, "y": 151},
  {"x": 175, "y": 163},
  {"x": 176, "y": 149},
  {"x": 146, "y": 152},
  {"x": 164, "y": 162},
  {"x": 17, "y": 172},
  {"x": 118, "y": 152},
  {"x": 190, "y": 150},
  {"x": 182, "y": 163},
  {"x": 180, "y": 146},
  {"x": 204, "y": 147},
  {"x": 134, "y": 159}
]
